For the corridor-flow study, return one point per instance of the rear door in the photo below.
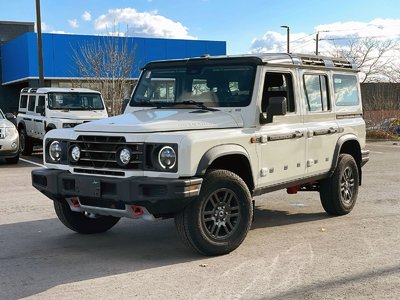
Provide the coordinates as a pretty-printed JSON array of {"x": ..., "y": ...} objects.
[{"x": 319, "y": 118}]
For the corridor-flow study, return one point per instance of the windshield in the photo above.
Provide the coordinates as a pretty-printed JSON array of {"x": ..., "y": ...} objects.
[
  {"x": 212, "y": 85},
  {"x": 75, "y": 101},
  {"x": 2, "y": 115}
]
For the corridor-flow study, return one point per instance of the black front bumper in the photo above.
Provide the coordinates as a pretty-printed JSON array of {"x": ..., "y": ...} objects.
[{"x": 158, "y": 195}]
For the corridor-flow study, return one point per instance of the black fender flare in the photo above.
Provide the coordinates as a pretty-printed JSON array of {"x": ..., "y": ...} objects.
[
  {"x": 217, "y": 152},
  {"x": 336, "y": 154},
  {"x": 49, "y": 127},
  {"x": 21, "y": 125}
]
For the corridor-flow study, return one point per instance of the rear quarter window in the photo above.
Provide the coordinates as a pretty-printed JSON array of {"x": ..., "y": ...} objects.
[
  {"x": 345, "y": 90},
  {"x": 23, "y": 101}
]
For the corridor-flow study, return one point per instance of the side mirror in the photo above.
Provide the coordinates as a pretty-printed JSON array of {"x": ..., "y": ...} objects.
[
  {"x": 10, "y": 116},
  {"x": 40, "y": 110},
  {"x": 277, "y": 107}
]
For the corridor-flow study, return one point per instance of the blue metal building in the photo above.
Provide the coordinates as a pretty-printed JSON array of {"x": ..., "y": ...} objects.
[{"x": 19, "y": 59}]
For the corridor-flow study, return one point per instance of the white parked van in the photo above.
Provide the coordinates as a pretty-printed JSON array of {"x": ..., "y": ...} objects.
[{"x": 44, "y": 109}]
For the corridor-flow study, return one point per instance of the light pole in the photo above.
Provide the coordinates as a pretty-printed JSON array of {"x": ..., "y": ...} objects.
[
  {"x": 39, "y": 36},
  {"x": 287, "y": 37}
]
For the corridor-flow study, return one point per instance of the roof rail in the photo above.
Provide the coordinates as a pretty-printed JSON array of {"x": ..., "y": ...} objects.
[
  {"x": 29, "y": 90},
  {"x": 341, "y": 63}
]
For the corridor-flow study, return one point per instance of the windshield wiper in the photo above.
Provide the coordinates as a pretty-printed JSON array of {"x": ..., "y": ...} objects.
[{"x": 198, "y": 104}]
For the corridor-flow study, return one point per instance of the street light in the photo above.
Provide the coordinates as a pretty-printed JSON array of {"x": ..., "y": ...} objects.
[
  {"x": 287, "y": 37},
  {"x": 39, "y": 39}
]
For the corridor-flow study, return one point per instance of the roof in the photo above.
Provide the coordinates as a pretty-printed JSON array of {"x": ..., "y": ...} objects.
[
  {"x": 46, "y": 90},
  {"x": 266, "y": 58}
]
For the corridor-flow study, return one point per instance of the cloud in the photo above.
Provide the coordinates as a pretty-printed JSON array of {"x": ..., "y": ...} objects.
[
  {"x": 86, "y": 16},
  {"x": 337, "y": 33},
  {"x": 145, "y": 24},
  {"x": 73, "y": 23}
]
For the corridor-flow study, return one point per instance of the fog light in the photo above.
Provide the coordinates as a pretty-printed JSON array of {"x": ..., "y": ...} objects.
[
  {"x": 14, "y": 145},
  {"x": 75, "y": 153},
  {"x": 124, "y": 156}
]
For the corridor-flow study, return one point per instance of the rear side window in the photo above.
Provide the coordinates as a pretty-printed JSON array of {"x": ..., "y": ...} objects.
[
  {"x": 345, "y": 88},
  {"x": 31, "y": 105},
  {"x": 316, "y": 93},
  {"x": 24, "y": 100}
]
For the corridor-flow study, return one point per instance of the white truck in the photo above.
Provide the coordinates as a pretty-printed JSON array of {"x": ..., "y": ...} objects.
[
  {"x": 202, "y": 137},
  {"x": 44, "y": 109}
]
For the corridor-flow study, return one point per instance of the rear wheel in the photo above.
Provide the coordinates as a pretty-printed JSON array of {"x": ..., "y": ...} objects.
[
  {"x": 218, "y": 220},
  {"x": 338, "y": 193},
  {"x": 80, "y": 222},
  {"x": 25, "y": 144}
]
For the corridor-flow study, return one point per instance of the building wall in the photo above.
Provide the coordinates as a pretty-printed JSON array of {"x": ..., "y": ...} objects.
[
  {"x": 20, "y": 54},
  {"x": 19, "y": 66},
  {"x": 8, "y": 31}
]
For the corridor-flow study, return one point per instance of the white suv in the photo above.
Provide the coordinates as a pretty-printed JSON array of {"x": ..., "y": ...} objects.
[
  {"x": 202, "y": 137},
  {"x": 8, "y": 139},
  {"x": 44, "y": 109}
]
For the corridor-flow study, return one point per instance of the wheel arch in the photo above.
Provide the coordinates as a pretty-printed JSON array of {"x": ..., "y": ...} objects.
[
  {"x": 229, "y": 157},
  {"x": 21, "y": 125},
  {"x": 348, "y": 144},
  {"x": 50, "y": 126}
]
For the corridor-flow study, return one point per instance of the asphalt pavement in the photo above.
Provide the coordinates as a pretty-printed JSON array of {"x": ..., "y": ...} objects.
[{"x": 293, "y": 250}]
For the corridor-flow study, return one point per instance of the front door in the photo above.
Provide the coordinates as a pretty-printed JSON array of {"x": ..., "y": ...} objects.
[{"x": 282, "y": 143}]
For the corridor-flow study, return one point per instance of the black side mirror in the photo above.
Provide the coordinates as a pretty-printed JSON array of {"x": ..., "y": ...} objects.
[
  {"x": 40, "y": 110},
  {"x": 10, "y": 116},
  {"x": 277, "y": 107}
]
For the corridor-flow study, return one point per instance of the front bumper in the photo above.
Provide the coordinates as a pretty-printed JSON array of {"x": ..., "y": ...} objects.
[
  {"x": 8, "y": 148},
  {"x": 364, "y": 157},
  {"x": 158, "y": 195}
]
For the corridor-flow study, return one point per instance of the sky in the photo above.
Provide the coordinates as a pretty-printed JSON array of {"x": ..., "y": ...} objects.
[{"x": 247, "y": 26}]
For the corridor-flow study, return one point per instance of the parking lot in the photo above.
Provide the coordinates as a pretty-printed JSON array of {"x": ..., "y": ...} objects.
[{"x": 293, "y": 251}]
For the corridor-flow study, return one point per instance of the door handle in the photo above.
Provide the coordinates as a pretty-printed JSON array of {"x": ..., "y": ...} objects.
[{"x": 298, "y": 134}]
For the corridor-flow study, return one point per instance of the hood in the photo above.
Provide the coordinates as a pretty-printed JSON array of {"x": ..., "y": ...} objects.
[
  {"x": 5, "y": 123},
  {"x": 78, "y": 114},
  {"x": 157, "y": 120}
]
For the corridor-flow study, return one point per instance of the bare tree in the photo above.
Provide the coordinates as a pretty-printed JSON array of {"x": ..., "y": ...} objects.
[
  {"x": 373, "y": 57},
  {"x": 106, "y": 65}
]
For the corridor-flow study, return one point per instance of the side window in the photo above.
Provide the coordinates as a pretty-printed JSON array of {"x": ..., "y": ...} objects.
[
  {"x": 41, "y": 101},
  {"x": 316, "y": 93},
  {"x": 278, "y": 85},
  {"x": 345, "y": 88},
  {"x": 31, "y": 105},
  {"x": 23, "y": 102}
]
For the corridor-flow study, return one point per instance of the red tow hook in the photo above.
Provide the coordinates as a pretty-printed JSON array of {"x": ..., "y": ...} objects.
[
  {"x": 75, "y": 202},
  {"x": 293, "y": 189},
  {"x": 137, "y": 211}
]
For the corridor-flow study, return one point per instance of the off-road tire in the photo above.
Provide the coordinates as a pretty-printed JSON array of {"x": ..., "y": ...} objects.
[
  {"x": 25, "y": 144},
  {"x": 80, "y": 223},
  {"x": 338, "y": 193},
  {"x": 201, "y": 224}
]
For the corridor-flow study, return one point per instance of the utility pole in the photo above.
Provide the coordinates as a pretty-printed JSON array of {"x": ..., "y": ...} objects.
[
  {"x": 316, "y": 43},
  {"x": 287, "y": 37},
  {"x": 39, "y": 39}
]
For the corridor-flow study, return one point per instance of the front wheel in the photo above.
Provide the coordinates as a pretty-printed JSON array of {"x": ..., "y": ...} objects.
[
  {"x": 25, "y": 144},
  {"x": 218, "y": 220},
  {"x": 338, "y": 193},
  {"x": 81, "y": 223}
]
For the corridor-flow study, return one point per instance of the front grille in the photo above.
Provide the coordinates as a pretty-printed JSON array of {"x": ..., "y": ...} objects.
[{"x": 100, "y": 152}]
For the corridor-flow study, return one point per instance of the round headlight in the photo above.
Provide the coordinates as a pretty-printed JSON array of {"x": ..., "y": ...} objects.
[
  {"x": 167, "y": 157},
  {"x": 124, "y": 156},
  {"x": 75, "y": 153},
  {"x": 55, "y": 151}
]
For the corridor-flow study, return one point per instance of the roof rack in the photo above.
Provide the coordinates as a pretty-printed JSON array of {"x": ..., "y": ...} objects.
[{"x": 29, "y": 90}]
